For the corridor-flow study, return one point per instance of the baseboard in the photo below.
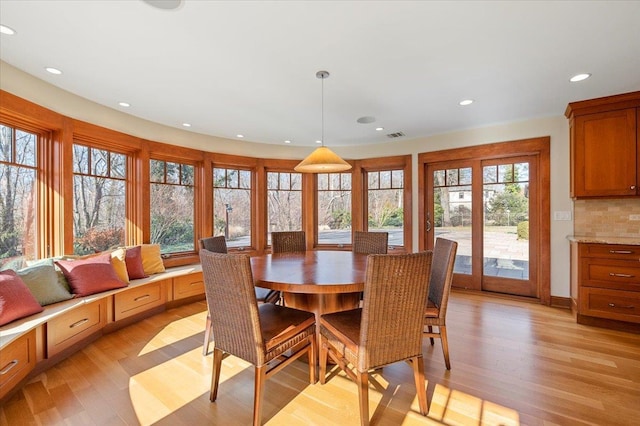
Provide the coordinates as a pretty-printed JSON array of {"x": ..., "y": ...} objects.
[
  {"x": 608, "y": 323},
  {"x": 561, "y": 302}
]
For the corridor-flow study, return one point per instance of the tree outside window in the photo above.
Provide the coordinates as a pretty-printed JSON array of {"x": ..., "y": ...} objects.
[
  {"x": 284, "y": 202},
  {"x": 172, "y": 206},
  {"x": 18, "y": 196},
  {"x": 385, "y": 209},
  {"x": 232, "y": 206},
  {"x": 99, "y": 199},
  {"x": 334, "y": 208}
]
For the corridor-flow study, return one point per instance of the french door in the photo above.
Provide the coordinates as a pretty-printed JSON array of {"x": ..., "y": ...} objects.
[{"x": 493, "y": 208}]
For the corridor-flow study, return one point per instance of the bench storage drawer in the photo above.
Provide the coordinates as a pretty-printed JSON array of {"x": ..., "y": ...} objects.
[
  {"x": 73, "y": 326},
  {"x": 188, "y": 285},
  {"x": 16, "y": 361},
  {"x": 138, "y": 299}
]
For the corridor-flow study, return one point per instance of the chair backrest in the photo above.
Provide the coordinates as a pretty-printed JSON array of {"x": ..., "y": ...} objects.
[
  {"x": 232, "y": 305},
  {"x": 214, "y": 244},
  {"x": 370, "y": 242},
  {"x": 444, "y": 257},
  {"x": 395, "y": 294},
  {"x": 288, "y": 242}
]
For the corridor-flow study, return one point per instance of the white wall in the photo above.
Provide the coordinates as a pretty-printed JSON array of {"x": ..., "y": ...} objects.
[{"x": 28, "y": 87}]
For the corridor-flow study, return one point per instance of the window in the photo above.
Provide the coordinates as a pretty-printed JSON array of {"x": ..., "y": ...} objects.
[
  {"x": 99, "y": 182},
  {"x": 172, "y": 206},
  {"x": 385, "y": 209},
  {"x": 334, "y": 208},
  {"x": 18, "y": 196},
  {"x": 232, "y": 206},
  {"x": 284, "y": 202}
]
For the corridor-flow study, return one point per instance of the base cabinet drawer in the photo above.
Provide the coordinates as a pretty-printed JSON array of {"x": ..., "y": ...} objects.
[
  {"x": 612, "y": 304},
  {"x": 73, "y": 326},
  {"x": 138, "y": 299},
  {"x": 188, "y": 285},
  {"x": 16, "y": 361}
]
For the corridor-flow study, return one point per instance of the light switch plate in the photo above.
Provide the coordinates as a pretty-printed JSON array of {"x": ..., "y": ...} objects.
[{"x": 562, "y": 215}]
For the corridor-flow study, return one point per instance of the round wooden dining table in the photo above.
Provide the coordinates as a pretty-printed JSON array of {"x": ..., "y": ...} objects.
[{"x": 315, "y": 280}]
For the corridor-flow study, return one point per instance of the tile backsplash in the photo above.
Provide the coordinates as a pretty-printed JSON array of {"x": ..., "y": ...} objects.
[{"x": 606, "y": 218}]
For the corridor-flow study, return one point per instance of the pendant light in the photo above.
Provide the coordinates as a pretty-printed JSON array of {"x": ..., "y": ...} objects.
[{"x": 322, "y": 160}]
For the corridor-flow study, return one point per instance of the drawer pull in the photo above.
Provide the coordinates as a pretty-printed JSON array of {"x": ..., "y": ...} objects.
[
  {"x": 79, "y": 323},
  {"x": 613, "y": 274},
  {"x": 613, "y": 305},
  {"x": 137, "y": 299},
  {"x": 620, "y": 251},
  {"x": 196, "y": 283},
  {"x": 8, "y": 367}
]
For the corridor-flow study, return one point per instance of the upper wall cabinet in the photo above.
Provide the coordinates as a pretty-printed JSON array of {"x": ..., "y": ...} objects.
[{"x": 605, "y": 146}]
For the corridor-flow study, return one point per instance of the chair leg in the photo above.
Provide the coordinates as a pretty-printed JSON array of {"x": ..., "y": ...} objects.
[
  {"x": 313, "y": 357},
  {"x": 324, "y": 353},
  {"x": 207, "y": 336},
  {"x": 258, "y": 391},
  {"x": 418, "y": 374},
  {"x": 215, "y": 374},
  {"x": 363, "y": 396},
  {"x": 445, "y": 346},
  {"x": 431, "y": 338}
]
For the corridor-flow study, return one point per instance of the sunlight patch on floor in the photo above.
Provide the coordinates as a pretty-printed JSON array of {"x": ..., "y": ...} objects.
[
  {"x": 451, "y": 407},
  {"x": 175, "y": 331}
]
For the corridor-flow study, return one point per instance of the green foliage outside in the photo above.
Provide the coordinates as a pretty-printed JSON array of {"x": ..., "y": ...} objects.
[
  {"x": 390, "y": 217},
  {"x": 523, "y": 230},
  {"x": 340, "y": 219}
]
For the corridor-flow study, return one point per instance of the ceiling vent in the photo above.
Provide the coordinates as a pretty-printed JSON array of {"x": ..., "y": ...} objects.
[{"x": 395, "y": 135}]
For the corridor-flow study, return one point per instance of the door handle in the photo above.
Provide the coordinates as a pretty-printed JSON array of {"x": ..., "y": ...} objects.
[{"x": 428, "y": 224}]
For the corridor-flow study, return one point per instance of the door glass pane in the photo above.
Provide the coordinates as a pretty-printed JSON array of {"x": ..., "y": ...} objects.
[
  {"x": 506, "y": 221},
  {"x": 452, "y": 212}
]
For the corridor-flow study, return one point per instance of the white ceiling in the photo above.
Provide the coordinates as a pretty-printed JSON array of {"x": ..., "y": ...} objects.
[{"x": 230, "y": 67}]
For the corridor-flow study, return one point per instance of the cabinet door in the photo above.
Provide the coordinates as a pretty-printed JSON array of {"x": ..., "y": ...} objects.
[{"x": 605, "y": 154}]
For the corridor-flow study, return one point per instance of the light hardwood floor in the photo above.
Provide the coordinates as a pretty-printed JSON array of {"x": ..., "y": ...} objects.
[{"x": 512, "y": 363}]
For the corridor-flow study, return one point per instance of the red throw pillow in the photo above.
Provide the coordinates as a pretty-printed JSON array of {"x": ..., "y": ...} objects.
[
  {"x": 133, "y": 259},
  {"x": 16, "y": 301},
  {"x": 92, "y": 275}
]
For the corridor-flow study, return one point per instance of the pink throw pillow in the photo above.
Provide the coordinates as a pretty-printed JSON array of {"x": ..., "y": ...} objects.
[
  {"x": 16, "y": 301},
  {"x": 133, "y": 259},
  {"x": 92, "y": 275}
]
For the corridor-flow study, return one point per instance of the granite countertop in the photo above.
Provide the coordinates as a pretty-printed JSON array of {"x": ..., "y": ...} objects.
[{"x": 633, "y": 241}]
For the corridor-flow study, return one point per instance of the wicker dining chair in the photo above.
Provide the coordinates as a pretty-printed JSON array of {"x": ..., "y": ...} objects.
[
  {"x": 263, "y": 295},
  {"x": 370, "y": 242},
  {"x": 444, "y": 257},
  {"x": 259, "y": 334},
  {"x": 388, "y": 327},
  {"x": 288, "y": 242}
]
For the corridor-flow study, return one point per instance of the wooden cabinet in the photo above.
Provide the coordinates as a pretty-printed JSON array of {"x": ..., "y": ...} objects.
[
  {"x": 608, "y": 282},
  {"x": 71, "y": 327},
  {"x": 188, "y": 285},
  {"x": 605, "y": 146},
  {"x": 16, "y": 361},
  {"x": 139, "y": 299}
]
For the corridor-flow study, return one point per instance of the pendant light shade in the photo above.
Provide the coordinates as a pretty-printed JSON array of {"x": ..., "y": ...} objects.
[{"x": 322, "y": 159}]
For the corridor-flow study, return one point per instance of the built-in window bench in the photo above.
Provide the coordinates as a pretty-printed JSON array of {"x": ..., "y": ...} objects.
[{"x": 32, "y": 344}]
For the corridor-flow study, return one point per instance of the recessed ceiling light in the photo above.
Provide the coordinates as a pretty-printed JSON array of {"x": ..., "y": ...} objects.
[
  {"x": 55, "y": 71},
  {"x": 466, "y": 102},
  {"x": 186, "y": 124},
  {"x": 124, "y": 104},
  {"x": 366, "y": 120},
  {"x": 579, "y": 77},
  {"x": 287, "y": 141},
  {"x": 240, "y": 136},
  {"x": 318, "y": 141},
  {"x": 379, "y": 129},
  {"x": 164, "y": 4},
  {"x": 6, "y": 30}
]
